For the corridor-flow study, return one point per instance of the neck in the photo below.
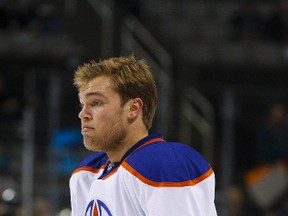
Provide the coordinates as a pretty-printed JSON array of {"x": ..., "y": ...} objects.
[{"x": 125, "y": 145}]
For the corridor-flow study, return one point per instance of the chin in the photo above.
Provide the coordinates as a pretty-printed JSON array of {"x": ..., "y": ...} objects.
[{"x": 90, "y": 147}]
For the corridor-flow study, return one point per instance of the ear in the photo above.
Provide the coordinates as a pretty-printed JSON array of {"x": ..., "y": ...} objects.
[{"x": 135, "y": 107}]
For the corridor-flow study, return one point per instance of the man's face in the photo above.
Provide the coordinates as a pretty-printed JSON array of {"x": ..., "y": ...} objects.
[{"x": 103, "y": 118}]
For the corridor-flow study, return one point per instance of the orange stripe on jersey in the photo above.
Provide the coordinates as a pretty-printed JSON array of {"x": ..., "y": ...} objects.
[
  {"x": 151, "y": 141},
  {"x": 111, "y": 173},
  {"x": 89, "y": 169},
  {"x": 167, "y": 184},
  {"x": 95, "y": 211}
]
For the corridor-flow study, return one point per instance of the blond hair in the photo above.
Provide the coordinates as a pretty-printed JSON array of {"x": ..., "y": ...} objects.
[{"x": 131, "y": 78}]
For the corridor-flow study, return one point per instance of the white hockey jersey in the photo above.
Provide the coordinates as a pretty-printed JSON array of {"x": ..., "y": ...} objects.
[{"x": 154, "y": 178}]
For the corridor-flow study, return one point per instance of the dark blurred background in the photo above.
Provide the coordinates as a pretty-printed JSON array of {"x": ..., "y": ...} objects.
[{"x": 221, "y": 70}]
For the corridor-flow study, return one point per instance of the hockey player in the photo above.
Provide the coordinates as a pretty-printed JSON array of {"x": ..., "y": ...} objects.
[{"x": 132, "y": 172}]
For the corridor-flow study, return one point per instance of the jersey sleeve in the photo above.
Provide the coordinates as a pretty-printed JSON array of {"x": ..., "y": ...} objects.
[{"x": 190, "y": 200}]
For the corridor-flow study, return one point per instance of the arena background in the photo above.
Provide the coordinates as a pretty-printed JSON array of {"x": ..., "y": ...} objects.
[{"x": 219, "y": 65}]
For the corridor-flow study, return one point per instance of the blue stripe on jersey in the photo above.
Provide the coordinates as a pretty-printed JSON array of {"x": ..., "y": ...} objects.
[
  {"x": 168, "y": 162},
  {"x": 95, "y": 160}
]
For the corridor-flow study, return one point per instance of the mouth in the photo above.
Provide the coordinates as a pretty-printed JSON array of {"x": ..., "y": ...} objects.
[{"x": 86, "y": 128}]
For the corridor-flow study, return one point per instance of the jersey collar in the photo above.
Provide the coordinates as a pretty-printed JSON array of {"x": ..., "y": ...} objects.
[{"x": 145, "y": 141}]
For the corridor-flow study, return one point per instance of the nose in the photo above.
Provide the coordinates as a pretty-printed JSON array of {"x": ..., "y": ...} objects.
[{"x": 84, "y": 114}]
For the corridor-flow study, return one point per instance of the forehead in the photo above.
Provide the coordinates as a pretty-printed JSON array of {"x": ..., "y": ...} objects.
[{"x": 102, "y": 85}]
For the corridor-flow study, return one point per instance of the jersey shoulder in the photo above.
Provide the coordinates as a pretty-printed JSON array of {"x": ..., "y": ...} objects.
[
  {"x": 93, "y": 162},
  {"x": 168, "y": 162}
]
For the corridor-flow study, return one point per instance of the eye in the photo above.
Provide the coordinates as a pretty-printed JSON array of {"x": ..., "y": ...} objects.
[{"x": 96, "y": 103}]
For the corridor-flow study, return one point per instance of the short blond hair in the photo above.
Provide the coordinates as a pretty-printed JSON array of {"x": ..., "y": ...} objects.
[{"x": 131, "y": 78}]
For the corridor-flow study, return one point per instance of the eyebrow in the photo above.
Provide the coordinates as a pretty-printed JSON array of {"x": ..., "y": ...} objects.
[{"x": 90, "y": 94}]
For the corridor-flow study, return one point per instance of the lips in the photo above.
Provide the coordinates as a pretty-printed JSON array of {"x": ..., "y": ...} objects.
[{"x": 86, "y": 128}]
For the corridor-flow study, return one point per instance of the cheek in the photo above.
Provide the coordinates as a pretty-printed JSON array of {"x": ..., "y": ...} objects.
[
  {"x": 100, "y": 116},
  {"x": 106, "y": 117}
]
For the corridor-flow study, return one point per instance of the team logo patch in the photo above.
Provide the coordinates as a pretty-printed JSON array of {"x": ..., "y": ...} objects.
[{"x": 97, "y": 208}]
